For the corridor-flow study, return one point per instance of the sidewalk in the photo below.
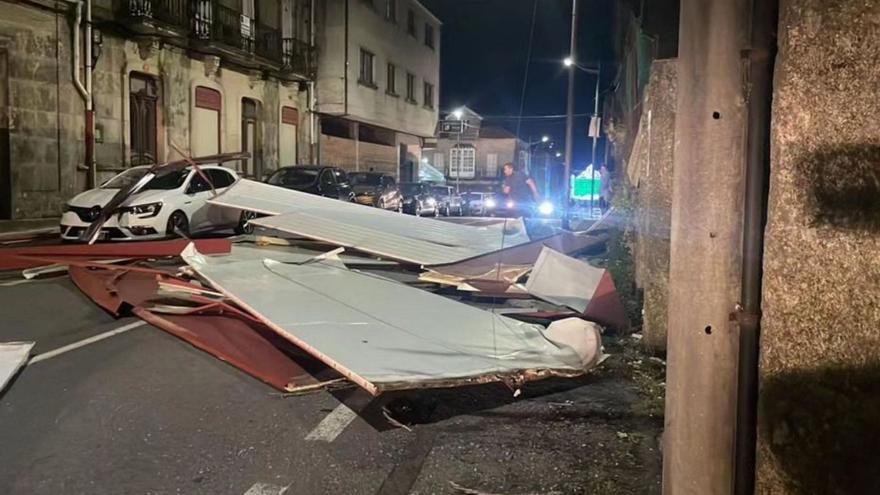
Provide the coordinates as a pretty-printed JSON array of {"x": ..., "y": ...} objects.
[{"x": 25, "y": 226}]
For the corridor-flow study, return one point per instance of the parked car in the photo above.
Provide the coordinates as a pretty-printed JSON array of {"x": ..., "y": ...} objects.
[
  {"x": 325, "y": 181},
  {"x": 418, "y": 199},
  {"x": 479, "y": 203},
  {"x": 376, "y": 189},
  {"x": 170, "y": 203},
  {"x": 448, "y": 201}
]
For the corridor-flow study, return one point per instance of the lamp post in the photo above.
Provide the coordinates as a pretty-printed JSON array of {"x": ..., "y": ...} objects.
[{"x": 571, "y": 63}]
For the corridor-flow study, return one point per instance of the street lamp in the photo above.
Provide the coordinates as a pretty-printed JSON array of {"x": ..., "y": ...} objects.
[
  {"x": 458, "y": 113},
  {"x": 558, "y": 154},
  {"x": 568, "y": 62},
  {"x": 544, "y": 139}
]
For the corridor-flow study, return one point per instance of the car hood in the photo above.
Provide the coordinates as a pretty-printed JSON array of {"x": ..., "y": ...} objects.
[{"x": 101, "y": 197}]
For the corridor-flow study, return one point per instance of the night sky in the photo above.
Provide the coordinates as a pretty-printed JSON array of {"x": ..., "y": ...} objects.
[{"x": 484, "y": 53}]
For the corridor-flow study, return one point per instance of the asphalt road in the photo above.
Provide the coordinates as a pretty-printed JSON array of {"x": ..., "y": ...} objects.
[{"x": 143, "y": 412}]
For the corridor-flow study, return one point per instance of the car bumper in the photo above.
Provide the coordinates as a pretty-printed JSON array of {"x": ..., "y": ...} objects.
[
  {"x": 365, "y": 200},
  {"x": 123, "y": 227}
]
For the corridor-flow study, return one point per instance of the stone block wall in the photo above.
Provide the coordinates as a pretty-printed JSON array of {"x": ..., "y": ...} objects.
[
  {"x": 649, "y": 172},
  {"x": 819, "y": 416},
  {"x": 44, "y": 114}
]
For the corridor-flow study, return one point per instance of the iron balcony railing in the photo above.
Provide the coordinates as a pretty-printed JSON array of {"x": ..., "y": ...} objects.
[
  {"x": 209, "y": 21},
  {"x": 171, "y": 12},
  {"x": 215, "y": 22},
  {"x": 298, "y": 57}
]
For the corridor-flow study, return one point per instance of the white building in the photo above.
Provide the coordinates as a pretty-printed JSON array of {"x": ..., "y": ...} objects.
[{"x": 377, "y": 84}]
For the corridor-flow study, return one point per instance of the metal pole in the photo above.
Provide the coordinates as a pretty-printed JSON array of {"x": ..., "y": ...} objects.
[
  {"x": 764, "y": 17},
  {"x": 705, "y": 262},
  {"x": 458, "y": 170},
  {"x": 569, "y": 118},
  {"x": 596, "y": 114}
]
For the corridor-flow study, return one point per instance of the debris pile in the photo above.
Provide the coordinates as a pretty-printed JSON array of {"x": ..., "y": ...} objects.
[{"x": 341, "y": 293}]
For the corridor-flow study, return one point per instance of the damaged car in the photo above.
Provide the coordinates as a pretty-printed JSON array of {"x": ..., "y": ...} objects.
[{"x": 168, "y": 205}]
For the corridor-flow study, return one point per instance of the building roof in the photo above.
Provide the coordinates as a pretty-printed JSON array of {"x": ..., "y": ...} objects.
[{"x": 496, "y": 132}]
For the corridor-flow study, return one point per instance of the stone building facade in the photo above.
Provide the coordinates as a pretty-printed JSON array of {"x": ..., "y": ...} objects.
[
  {"x": 172, "y": 76},
  {"x": 378, "y": 83}
]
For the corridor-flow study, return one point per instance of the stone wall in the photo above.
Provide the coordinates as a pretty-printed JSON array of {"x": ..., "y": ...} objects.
[
  {"x": 819, "y": 419},
  {"x": 649, "y": 171},
  {"x": 45, "y": 113}
]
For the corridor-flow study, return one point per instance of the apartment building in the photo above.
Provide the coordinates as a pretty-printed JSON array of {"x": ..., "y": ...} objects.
[
  {"x": 378, "y": 83},
  {"x": 473, "y": 159},
  {"x": 144, "y": 82}
]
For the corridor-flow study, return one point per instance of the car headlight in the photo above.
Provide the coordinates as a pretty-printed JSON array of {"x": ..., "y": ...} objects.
[
  {"x": 431, "y": 201},
  {"x": 546, "y": 208},
  {"x": 149, "y": 210},
  {"x": 490, "y": 203},
  {"x": 510, "y": 203}
]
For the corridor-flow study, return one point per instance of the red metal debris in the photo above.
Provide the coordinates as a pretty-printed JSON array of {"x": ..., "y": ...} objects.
[
  {"x": 19, "y": 258},
  {"x": 215, "y": 327}
]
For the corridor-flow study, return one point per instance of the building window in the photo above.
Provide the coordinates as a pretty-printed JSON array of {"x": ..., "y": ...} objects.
[
  {"x": 411, "y": 23},
  {"x": 143, "y": 97},
  {"x": 410, "y": 87},
  {"x": 429, "y": 36},
  {"x": 429, "y": 95},
  {"x": 391, "y": 11},
  {"x": 462, "y": 162},
  {"x": 366, "y": 76},
  {"x": 391, "y": 80},
  {"x": 491, "y": 165}
]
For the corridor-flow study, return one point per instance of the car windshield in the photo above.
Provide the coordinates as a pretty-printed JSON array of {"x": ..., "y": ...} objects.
[
  {"x": 441, "y": 191},
  {"x": 169, "y": 181},
  {"x": 472, "y": 196},
  {"x": 409, "y": 189},
  {"x": 364, "y": 179},
  {"x": 294, "y": 177}
]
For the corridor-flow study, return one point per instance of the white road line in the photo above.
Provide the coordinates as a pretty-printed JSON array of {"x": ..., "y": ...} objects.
[
  {"x": 266, "y": 489},
  {"x": 82, "y": 343},
  {"x": 17, "y": 282},
  {"x": 332, "y": 425}
]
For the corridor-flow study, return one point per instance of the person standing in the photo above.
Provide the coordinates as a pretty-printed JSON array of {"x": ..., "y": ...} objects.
[{"x": 519, "y": 187}]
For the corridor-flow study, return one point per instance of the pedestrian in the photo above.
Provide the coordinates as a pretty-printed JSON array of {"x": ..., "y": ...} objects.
[
  {"x": 604, "y": 188},
  {"x": 519, "y": 187}
]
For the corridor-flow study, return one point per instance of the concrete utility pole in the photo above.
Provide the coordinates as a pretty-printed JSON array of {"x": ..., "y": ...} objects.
[
  {"x": 706, "y": 242},
  {"x": 569, "y": 120}
]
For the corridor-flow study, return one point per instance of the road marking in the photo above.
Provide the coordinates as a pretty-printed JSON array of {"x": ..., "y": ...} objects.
[
  {"x": 266, "y": 489},
  {"x": 332, "y": 425},
  {"x": 17, "y": 282},
  {"x": 82, "y": 343}
]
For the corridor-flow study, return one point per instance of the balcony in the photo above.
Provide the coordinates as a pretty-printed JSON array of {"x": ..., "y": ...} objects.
[
  {"x": 299, "y": 58},
  {"x": 156, "y": 17},
  {"x": 207, "y": 26}
]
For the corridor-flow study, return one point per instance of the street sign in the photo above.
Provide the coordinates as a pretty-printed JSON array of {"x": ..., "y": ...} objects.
[
  {"x": 594, "y": 131},
  {"x": 452, "y": 127}
]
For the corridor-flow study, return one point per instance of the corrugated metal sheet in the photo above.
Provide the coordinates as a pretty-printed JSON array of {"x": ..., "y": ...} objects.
[
  {"x": 407, "y": 238},
  {"x": 13, "y": 355},
  {"x": 381, "y": 334}
]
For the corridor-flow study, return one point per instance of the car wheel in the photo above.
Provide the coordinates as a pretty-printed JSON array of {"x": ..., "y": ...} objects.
[
  {"x": 381, "y": 204},
  {"x": 244, "y": 226},
  {"x": 418, "y": 210},
  {"x": 436, "y": 212},
  {"x": 177, "y": 225}
]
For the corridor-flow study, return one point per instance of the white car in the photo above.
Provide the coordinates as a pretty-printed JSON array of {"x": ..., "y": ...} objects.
[{"x": 176, "y": 202}]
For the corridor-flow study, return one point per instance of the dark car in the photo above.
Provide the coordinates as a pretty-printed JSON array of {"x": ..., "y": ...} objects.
[
  {"x": 331, "y": 182},
  {"x": 376, "y": 189},
  {"x": 418, "y": 199},
  {"x": 448, "y": 201}
]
